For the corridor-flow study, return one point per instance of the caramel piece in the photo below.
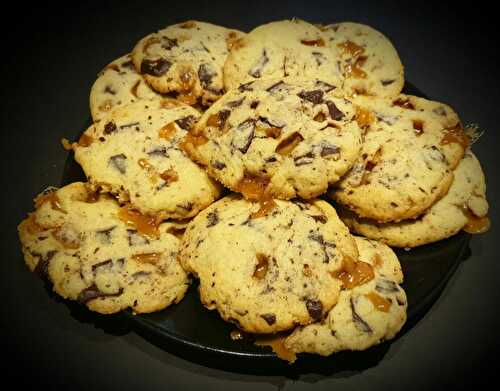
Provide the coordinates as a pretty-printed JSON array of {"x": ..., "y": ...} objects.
[
  {"x": 231, "y": 40},
  {"x": 219, "y": 119},
  {"x": 404, "y": 103},
  {"x": 147, "y": 257},
  {"x": 320, "y": 117},
  {"x": 364, "y": 117},
  {"x": 475, "y": 225},
  {"x": 307, "y": 271},
  {"x": 273, "y": 132},
  {"x": 266, "y": 205},
  {"x": 143, "y": 163},
  {"x": 379, "y": 302},
  {"x": 113, "y": 67},
  {"x": 350, "y": 48},
  {"x": 456, "y": 135},
  {"x": 188, "y": 25},
  {"x": 252, "y": 186},
  {"x": 315, "y": 42},
  {"x": 288, "y": 144},
  {"x": 353, "y": 273},
  {"x": 167, "y": 132},
  {"x": 51, "y": 197},
  {"x": 188, "y": 98},
  {"x": 106, "y": 105},
  {"x": 169, "y": 175},
  {"x": 354, "y": 70},
  {"x": 144, "y": 224},
  {"x": 191, "y": 141},
  {"x": 277, "y": 343},
  {"x": 177, "y": 232},
  {"x": 418, "y": 125},
  {"x": 32, "y": 226},
  {"x": 66, "y": 144},
  {"x": 85, "y": 140},
  {"x": 168, "y": 103},
  {"x": 261, "y": 267}
]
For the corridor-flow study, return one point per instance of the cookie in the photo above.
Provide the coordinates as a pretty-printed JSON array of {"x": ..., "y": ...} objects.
[
  {"x": 411, "y": 147},
  {"x": 186, "y": 59},
  {"x": 370, "y": 63},
  {"x": 279, "y": 49},
  {"x": 463, "y": 207},
  {"x": 267, "y": 273},
  {"x": 91, "y": 251},
  {"x": 283, "y": 137},
  {"x": 134, "y": 152},
  {"x": 118, "y": 84},
  {"x": 364, "y": 315}
]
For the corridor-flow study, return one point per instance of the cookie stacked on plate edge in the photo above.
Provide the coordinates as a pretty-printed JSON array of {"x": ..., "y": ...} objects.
[{"x": 276, "y": 167}]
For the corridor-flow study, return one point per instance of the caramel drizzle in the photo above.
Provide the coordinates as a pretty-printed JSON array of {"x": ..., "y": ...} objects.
[
  {"x": 55, "y": 202},
  {"x": 455, "y": 134},
  {"x": 145, "y": 225},
  {"x": 353, "y": 273},
  {"x": 475, "y": 224},
  {"x": 380, "y": 303},
  {"x": 277, "y": 344}
]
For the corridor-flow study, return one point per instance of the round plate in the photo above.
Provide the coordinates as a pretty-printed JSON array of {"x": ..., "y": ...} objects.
[{"x": 188, "y": 329}]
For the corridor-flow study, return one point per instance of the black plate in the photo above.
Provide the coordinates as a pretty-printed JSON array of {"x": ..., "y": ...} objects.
[{"x": 188, "y": 329}]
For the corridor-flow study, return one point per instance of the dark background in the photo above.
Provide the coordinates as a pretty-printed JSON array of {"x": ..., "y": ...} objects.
[{"x": 50, "y": 58}]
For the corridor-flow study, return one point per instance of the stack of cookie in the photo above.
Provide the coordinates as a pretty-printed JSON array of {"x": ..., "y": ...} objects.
[{"x": 273, "y": 120}]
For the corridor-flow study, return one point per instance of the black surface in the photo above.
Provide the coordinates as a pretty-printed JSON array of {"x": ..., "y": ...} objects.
[{"x": 51, "y": 55}]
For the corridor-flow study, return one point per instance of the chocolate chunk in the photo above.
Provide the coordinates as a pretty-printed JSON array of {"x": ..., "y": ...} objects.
[
  {"x": 218, "y": 165},
  {"x": 358, "y": 321},
  {"x": 219, "y": 120},
  {"x": 319, "y": 57},
  {"x": 135, "y": 239},
  {"x": 155, "y": 67},
  {"x": 186, "y": 123},
  {"x": 158, "y": 151},
  {"x": 387, "y": 82},
  {"x": 273, "y": 123},
  {"x": 276, "y": 86},
  {"x": 325, "y": 87},
  {"x": 118, "y": 162},
  {"x": 256, "y": 70},
  {"x": 42, "y": 267},
  {"x": 254, "y": 104},
  {"x": 243, "y": 135},
  {"x": 319, "y": 218},
  {"x": 246, "y": 87},
  {"x": 109, "y": 90},
  {"x": 235, "y": 103},
  {"x": 110, "y": 127},
  {"x": 101, "y": 264},
  {"x": 92, "y": 292},
  {"x": 315, "y": 96},
  {"x": 128, "y": 65},
  {"x": 130, "y": 125},
  {"x": 168, "y": 43},
  {"x": 404, "y": 103},
  {"x": 335, "y": 113},
  {"x": 386, "y": 286},
  {"x": 206, "y": 74},
  {"x": 288, "y": 144},
  {"x": 329, "y": 149},
  {"x": 105, "y": 235},
  {"x": 308, "y": 158},
  {"x": 269, "y": 318},
  {"x": 270, "y": 159},
  {"x": 212, "y": 218},
  {"x": 315, "y": 309}
]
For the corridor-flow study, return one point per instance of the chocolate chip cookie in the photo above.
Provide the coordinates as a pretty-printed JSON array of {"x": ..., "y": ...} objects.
[
  {"x": 463, "y": 207},
  {"x": 411, "y": 147},
  {"x": 186, "y": 59},
  {"x": 104, "y": 256},
  {"x": 365, "y": 315},
  {"x": 281, "y": 137},
  {"x": 133, "y": 152},
  {"x": 267, "y": 273}
]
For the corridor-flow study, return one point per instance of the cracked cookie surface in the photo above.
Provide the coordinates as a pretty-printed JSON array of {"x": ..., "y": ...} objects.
[
  {"x": 292, "y": 136},
  {"x": 186, "y": 59},
  {"x": 364, "y": 315},
  {"x": 463, "y": 207},
  {"x": 411, "y": 147},
  {"x": 134, "y": 153},
  {"x": 82, "y": 244},
  {"x": 267, "y": 274}
]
